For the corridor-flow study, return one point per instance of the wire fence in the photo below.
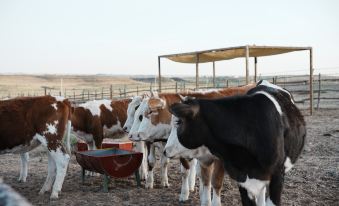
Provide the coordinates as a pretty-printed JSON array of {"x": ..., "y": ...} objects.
[{"x": 326, "y": 89}]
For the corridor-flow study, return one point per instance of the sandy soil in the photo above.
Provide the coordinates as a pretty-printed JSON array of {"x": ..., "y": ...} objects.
[{"x": 313, "y": 181}]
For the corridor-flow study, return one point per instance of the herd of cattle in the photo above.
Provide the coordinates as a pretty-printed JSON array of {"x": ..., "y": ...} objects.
[{"x": 254, "y": 133}]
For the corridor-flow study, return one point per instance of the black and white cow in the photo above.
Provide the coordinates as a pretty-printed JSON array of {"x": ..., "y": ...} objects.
[{"x": 258, "y": 136}]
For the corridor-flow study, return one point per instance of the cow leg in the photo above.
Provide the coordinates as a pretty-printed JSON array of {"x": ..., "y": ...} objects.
[
  {"x": 164, "y": 163},
  {"x": 246, "y": 201},
  {"x": 50, "y": 175},
  {"x": 192, "y": 174},
  {"x": 91, "y": 146},
  {"x": 24, "y": 166},
  {"x": 205, "y": 184},
  {"x": 275, "y": 188},
  {"x": 61, "y": 161},
  {"x": 151, "y": 163},
  {"x": 185, "y": 170},
  {"x": 217, "y": 180},
  {"x": 141, "y": 147}
]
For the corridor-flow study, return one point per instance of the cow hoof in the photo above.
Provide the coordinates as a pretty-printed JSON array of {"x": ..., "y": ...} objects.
[
  {"x": 54, "y": 195},
  {"x": 165, "y": 185},
  {"x": 183, "y": 197},
  {"x": 21, "y": 180},
  {"x": 148, "y": 186},
  {"x": 41, "y": 192}
]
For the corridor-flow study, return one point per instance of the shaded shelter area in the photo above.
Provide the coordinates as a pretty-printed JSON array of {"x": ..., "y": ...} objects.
[{"x": 246, "y": 52}]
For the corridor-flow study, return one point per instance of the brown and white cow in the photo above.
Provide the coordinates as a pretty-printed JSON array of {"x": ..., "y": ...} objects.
[
  {"x": 27, "y": 122},
  {"x": 157, "y": 125},
  {"x": 98, "y": 119}
]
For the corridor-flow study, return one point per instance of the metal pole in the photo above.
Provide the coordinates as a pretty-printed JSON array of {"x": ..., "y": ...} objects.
[
  {"x": 214, "y": 74},
  {"x": 311, "y": 81},
  {"x": 255, "y": 69},
  {"x": 197, "y": 72},
  {"x": 247, "y": 55},
  {"x": 159, "y": 70}
]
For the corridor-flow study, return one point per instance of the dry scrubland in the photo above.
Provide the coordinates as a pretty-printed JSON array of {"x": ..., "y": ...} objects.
[
  {"x": 15, "y": 84},
  {"x": 313, "y": 181}
]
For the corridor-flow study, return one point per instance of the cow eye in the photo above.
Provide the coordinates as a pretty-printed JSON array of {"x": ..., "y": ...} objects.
[
  {"x": 136, "y": 107},
  {"x": 178, "y": 122},
  {"x": 140, "y": 118}
]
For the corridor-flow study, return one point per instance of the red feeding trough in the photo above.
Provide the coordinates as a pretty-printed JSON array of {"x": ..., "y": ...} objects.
[
  {"x": 82, "y": 146},
  {"x": 111, "y": 162}
]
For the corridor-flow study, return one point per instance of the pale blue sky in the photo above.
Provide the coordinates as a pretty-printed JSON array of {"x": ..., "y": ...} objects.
[{"x": 125, "y": 37}]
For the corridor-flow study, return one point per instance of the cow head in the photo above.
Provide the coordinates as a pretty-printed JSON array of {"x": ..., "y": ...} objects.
[
  {"x": 138, "y": 117},
  {"x": 174, "y": 149},
  {"x": 189, "y": 125},
  {"x": 156, "y": 122},
  {"x": 132, "y": 107}
]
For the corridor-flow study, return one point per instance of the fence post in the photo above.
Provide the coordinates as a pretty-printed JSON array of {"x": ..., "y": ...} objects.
[
  {"x": 95, "y": 94},
  {"x": 111, "y": 92},
  {"x": 73, "y": 95},
  {"x": 45, "y": 90},
  {"x": 184, "y": 86},
  {"x": 88, "y": 95},
  {"x": 319, "y": 88},
  {"x": 83, "y": 95},
  {"x": 120, "y": 92},
  {"x": 102, "y": 93},
  {"x": 176, "y": 87},
  {"x": 125, "y": 91},
  {"x": 227, "y": 83}
]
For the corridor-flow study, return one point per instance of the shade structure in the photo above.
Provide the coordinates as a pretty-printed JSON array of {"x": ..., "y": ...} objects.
[
  {"x": 228, "y": 53},
  {"x": 231, "y": 53}
]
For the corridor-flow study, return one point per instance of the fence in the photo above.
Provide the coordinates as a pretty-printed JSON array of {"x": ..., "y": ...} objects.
[{"x": 326, "y": 89}]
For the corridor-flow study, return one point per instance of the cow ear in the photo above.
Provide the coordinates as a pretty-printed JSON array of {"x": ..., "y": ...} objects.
[{"x": 184, "y": 110}]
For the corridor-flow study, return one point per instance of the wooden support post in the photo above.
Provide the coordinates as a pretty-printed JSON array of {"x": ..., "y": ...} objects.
[
  {"x": 73, "y": 95},
  {"x": 311, "y": 82},
  {"x": 197, "y": 71},
  {"x": 255, "y": 69},
  {"x": 125, "y": 91},
  {"x": 227, "y": 83},
  {"x": 83, "y": 95},
  {"x": 102, "y": 93},
  {"x": 176, "y": 87},
  {"x": 247, "y": 56},
  {"x": 214, "y": 74},
  {"x": 137, "y": 90},
  {"x": 319, "y": 89},
  {"x": 95, "y": 94},
  {"x": 159, "y": 70},
  {"x": 87, "y": 94},
  {"x": 45, "y": 89},
  {"x": 111, "y": 92}
]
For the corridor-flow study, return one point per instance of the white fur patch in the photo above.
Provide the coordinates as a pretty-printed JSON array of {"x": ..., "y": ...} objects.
[
  {"x": 94, "y": 106},
  {"x": 136, "y": 101},
  {"x": 52, "y": 128},
  {"x": 59, "y": 98},
  {"x": 268, "y": 84},
  {"x": 254, "y": 187},
  {"x": 288, "y": 164},
  {"x": 269, "y": 202},
  {"x": 115, "y": 128},
  {"x": 54, "y": 105},
  {"x": 276, "y": 104}
]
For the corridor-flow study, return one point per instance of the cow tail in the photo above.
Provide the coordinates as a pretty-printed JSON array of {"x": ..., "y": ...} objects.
[
  {"x": 68, "y": 128},
  {"x": 68, "y": 136}
]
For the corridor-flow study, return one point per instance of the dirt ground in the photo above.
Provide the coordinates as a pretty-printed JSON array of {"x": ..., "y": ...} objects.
[{"x": 313, "y": 181}]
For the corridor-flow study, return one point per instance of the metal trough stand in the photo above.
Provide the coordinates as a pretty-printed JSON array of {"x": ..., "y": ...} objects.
[{"x": 111, "y": 162}]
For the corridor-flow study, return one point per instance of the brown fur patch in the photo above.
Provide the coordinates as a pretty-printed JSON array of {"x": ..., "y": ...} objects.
[{"x": 22, "y": 118}]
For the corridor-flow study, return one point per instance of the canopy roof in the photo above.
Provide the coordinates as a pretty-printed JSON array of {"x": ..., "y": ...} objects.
[{"x": 231, "y": 53}]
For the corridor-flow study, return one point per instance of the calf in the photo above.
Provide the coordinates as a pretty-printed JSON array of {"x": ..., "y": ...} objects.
[
  {"x": 156, "y": 126},
  {"x": 257, "y": 136},
  {"x": 98, "y": 119},
  {"x": 28, "y": 122}
]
